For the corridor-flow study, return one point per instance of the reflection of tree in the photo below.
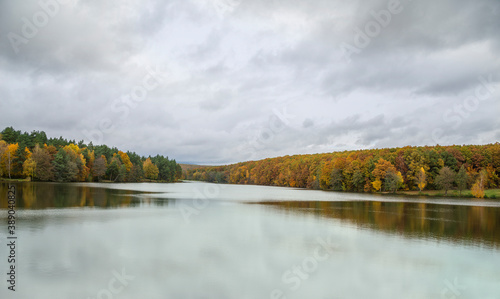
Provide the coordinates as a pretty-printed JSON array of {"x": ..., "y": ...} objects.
[
  {"x": 449, "y": 222},
  {"x": 36, "y": 195},
  {"x": 28, "y": 198}
]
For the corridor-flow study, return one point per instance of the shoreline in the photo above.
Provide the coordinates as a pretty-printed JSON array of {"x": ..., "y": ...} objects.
[{"x": 466, "y": 194}]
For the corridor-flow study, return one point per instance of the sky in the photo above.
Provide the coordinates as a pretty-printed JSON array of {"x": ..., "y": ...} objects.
[{"x": 222, "y": 81}]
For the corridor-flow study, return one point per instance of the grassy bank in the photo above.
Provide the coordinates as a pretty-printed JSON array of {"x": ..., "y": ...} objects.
[
  {"x": 5, "y": 180},
  {"x": 489, "y": 193}
]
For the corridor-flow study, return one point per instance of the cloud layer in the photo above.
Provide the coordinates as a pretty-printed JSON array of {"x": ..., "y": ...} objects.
[{"x": 220, "y": 81}]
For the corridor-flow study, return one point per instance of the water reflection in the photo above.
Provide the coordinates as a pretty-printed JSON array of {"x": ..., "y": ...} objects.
[
  {"x": 456, "y": 223},
  {"x": 467, "y": 224},
  {"x": 33, "y": 195}
]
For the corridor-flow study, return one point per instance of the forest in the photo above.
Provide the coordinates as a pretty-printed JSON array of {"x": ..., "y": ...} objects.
[
  {"x": 457, "y": 167},
  {"x": 36, "y": 157}
]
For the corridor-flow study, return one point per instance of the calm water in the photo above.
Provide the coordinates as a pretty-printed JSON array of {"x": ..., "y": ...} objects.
[{"x": 199, "y": 240}]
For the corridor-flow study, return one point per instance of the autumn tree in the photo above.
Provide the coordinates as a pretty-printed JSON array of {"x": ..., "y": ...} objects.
[
  {"x": 3, "y": 151},
  {"x": 478, "y": 187},
  {"x": 393, "y": 180},
  {"x": 416, "y": 161},
  {"x": 29, "y": 165},
  {"x": 89, "y": 156},
  {"x": 421, "y": 179},
  {"x": 43, "y": 159},
  {"x": 125, "y": 160},
  {"x": 377, "y": 184},
  {"x": 9, "y": 157},
  {"x": 75, "y": 156},
  {"x": 381, "y": 169},
  {"x": 100, "y": 167},
  {"x": 150, "y": 170},
  {"x": 325, "y": 178},
  {"x": 445, "y": 179}
]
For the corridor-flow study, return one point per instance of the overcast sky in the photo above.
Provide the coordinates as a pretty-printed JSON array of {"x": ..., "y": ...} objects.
[{"x": 221, "y": 81}]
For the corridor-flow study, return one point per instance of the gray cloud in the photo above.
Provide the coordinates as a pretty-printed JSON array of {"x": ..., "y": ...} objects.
[{"x": 252, "y": 79}]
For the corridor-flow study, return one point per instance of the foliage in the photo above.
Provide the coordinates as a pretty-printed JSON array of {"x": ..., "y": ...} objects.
[
  {"x": 393, "y": 180},
  {"x": 419, "y": 167},
  {"x": 421, "y": 179},
  {"x": 40, "y": 158},
  {"x": 478, "y": 187},
  {"x": 461, "y": 179},
  {"x": 100, "y": 167},
  {"x": 151, "y": 171},
  {"x": 377, "y": 184},
  {"x": 445, "y": 179}
]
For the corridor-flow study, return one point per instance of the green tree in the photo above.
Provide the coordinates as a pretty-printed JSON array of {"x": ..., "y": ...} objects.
[
  {"x": 65, "y": 169},
  {"x": 10, "y": 135},
  {"x": 393, "y": 180},
  {"x": 336, "y": 179},
  {"x": 445, "y": 179},
  {"x": 113, "y": 171},
  {"x": 358, "y": 180},
  {"x": 461, "y": 179}
]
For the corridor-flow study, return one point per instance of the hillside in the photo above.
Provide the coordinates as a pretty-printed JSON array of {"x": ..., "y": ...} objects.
[{"x": 391, "y": 169}]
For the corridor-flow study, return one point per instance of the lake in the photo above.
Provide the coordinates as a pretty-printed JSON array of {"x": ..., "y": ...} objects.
[{"x": 201, "y": 240}]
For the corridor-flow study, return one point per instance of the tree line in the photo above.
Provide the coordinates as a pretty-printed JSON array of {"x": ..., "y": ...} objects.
[
  {"x": 37, "y": 157},
  {"x": 475, "y": 167}
]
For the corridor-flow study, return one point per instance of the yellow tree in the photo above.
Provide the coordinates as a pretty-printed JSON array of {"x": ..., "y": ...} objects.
[
  {"x": 90, "y": 162},
  {"x": 150, "y": 170},
  {"x": 76, "y": 156},
  {"x": 3, "y": 150},
  {"x": 126, "y": 160},
  {"x": 29, "y": 164},
  {"x": 29, "y": 167},
  {"x": 382, "y": 167},
  {"x": 377, "y": 184},
  {"x": 416, "y": 161},
  {"x": 8, "y": 157},
  {"x": 421, "y": 179},
  {"x": 478, "y": 187}
]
